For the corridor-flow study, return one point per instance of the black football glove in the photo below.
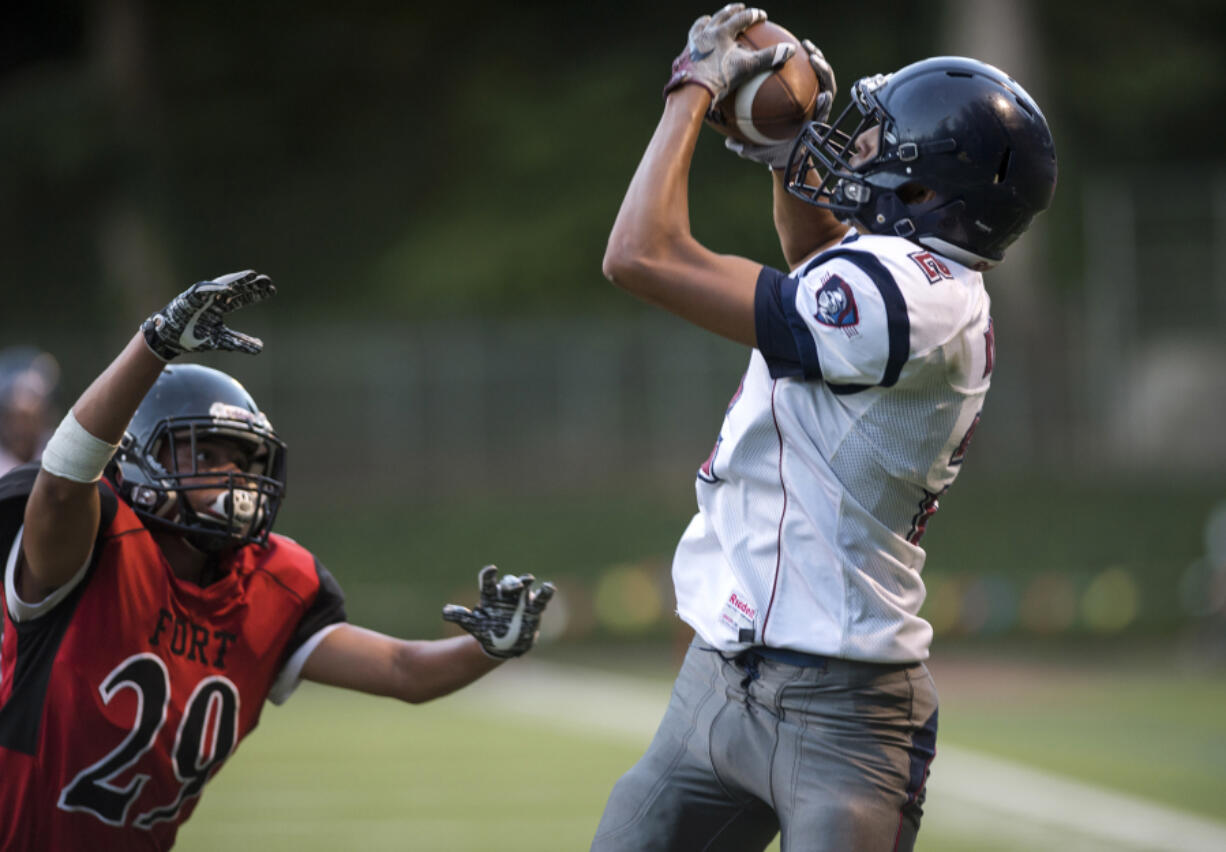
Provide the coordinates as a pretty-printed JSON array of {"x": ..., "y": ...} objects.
[
  {"x": 192, "y": 322},
  {"x": 508, "y": 618}
]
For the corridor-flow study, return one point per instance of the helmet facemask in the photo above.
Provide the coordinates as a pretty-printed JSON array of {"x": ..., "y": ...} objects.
[
  {"x": 820, "y": 170},
  {"x": 248, "y": 499},
  {"x": 878, "y": 193}
]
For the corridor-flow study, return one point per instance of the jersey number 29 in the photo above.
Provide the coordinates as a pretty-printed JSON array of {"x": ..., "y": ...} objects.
[{"x": 194, "y": 758}]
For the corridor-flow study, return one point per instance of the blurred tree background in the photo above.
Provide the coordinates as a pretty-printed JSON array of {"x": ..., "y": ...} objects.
[
  {"x": 423, "y": 160},
  {"x": 431, "y": 186}
]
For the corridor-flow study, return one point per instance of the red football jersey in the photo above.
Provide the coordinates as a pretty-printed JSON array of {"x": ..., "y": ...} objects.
[{"x": 124, "y": 697}]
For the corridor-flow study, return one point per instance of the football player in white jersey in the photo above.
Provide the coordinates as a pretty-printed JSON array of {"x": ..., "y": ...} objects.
[{"x": 803, "y": 705}]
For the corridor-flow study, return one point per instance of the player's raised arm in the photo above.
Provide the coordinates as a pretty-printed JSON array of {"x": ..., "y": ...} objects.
[
  {"x": 651, "y": 251},
  {"x": 803, "y": 229},
  {"x": 62, "y": 515},
  {"x": 504, "y": 624}
]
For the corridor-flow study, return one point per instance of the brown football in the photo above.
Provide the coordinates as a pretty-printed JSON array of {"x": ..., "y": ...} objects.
[{"x": 772, "y": 106}]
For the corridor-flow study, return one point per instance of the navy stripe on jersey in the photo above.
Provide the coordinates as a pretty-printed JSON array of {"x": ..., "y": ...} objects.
[
  {"x": 787, "y": 343},
  {"x": 783, "y": 338},
  {"x": 898, "y": 322},
  {"x": 895, "y": 311}
]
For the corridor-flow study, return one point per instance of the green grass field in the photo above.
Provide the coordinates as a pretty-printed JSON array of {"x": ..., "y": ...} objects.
[
  {"x": 1145, "y": 726},
  {"x": 333, "y": 770}
]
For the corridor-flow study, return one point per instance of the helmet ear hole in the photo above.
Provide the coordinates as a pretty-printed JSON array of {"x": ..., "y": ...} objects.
[
  {"x": 1002, "y": 171},
  {"x": 914, "y": 192}
]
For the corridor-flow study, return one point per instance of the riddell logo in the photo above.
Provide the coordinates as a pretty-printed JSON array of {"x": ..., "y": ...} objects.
[{"x": 742, "y": 607}]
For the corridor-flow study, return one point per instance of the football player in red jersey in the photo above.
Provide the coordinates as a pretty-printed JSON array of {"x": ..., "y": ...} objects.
[{"x": 149, "y": 611}]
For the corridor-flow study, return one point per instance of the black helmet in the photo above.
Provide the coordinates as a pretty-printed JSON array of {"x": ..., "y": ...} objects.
[
  {"x": 958, "y": 127},
  {"x": 188, "y": 403}
]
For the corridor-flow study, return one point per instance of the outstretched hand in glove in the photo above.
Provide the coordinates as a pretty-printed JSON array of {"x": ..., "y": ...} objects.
[
  {"x": 507, "y": 618},
  {"x": 193, "y": 321}
]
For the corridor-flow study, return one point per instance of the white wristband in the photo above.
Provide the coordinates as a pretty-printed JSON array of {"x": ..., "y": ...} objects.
[{"x": 75, "y": 454}]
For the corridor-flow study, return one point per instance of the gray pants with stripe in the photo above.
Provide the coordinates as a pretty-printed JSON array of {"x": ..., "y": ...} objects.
[{"x": 833, "y": 753}]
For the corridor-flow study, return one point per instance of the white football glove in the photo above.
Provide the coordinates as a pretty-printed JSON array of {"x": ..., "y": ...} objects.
[
  {"x": 713, "y": 59},
  {"x": 776, "y": 156}
]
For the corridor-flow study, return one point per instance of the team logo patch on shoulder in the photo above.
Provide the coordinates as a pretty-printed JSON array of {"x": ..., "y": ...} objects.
[
  {"x": 836, "y": 306},
  {"x": 933, "y": 267}
]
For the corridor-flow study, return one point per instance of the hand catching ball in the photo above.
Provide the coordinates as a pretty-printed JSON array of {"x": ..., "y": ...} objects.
[{"x": 773, "y": 106}]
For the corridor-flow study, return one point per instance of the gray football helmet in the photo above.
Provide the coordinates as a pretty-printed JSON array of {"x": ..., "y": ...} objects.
[{"x": 187, "y": 404}]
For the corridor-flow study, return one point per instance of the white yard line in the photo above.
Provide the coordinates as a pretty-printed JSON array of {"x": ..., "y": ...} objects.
[
  {"x": 1028, "y": 795},
  {"x": 1048, "y": 809}
]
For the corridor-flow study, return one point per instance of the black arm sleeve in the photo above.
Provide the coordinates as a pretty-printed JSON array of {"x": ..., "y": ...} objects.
[{"x": 327, "y": 608}]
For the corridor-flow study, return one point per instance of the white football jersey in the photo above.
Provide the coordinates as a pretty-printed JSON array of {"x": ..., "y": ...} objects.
[{"x": 852, "y": 419}]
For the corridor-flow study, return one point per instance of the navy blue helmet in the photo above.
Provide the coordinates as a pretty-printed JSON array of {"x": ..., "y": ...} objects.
[{"x": 959, "y": 128}]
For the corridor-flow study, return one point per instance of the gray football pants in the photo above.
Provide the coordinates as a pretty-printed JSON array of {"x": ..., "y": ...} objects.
[{"x": 835, "y": 756}]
